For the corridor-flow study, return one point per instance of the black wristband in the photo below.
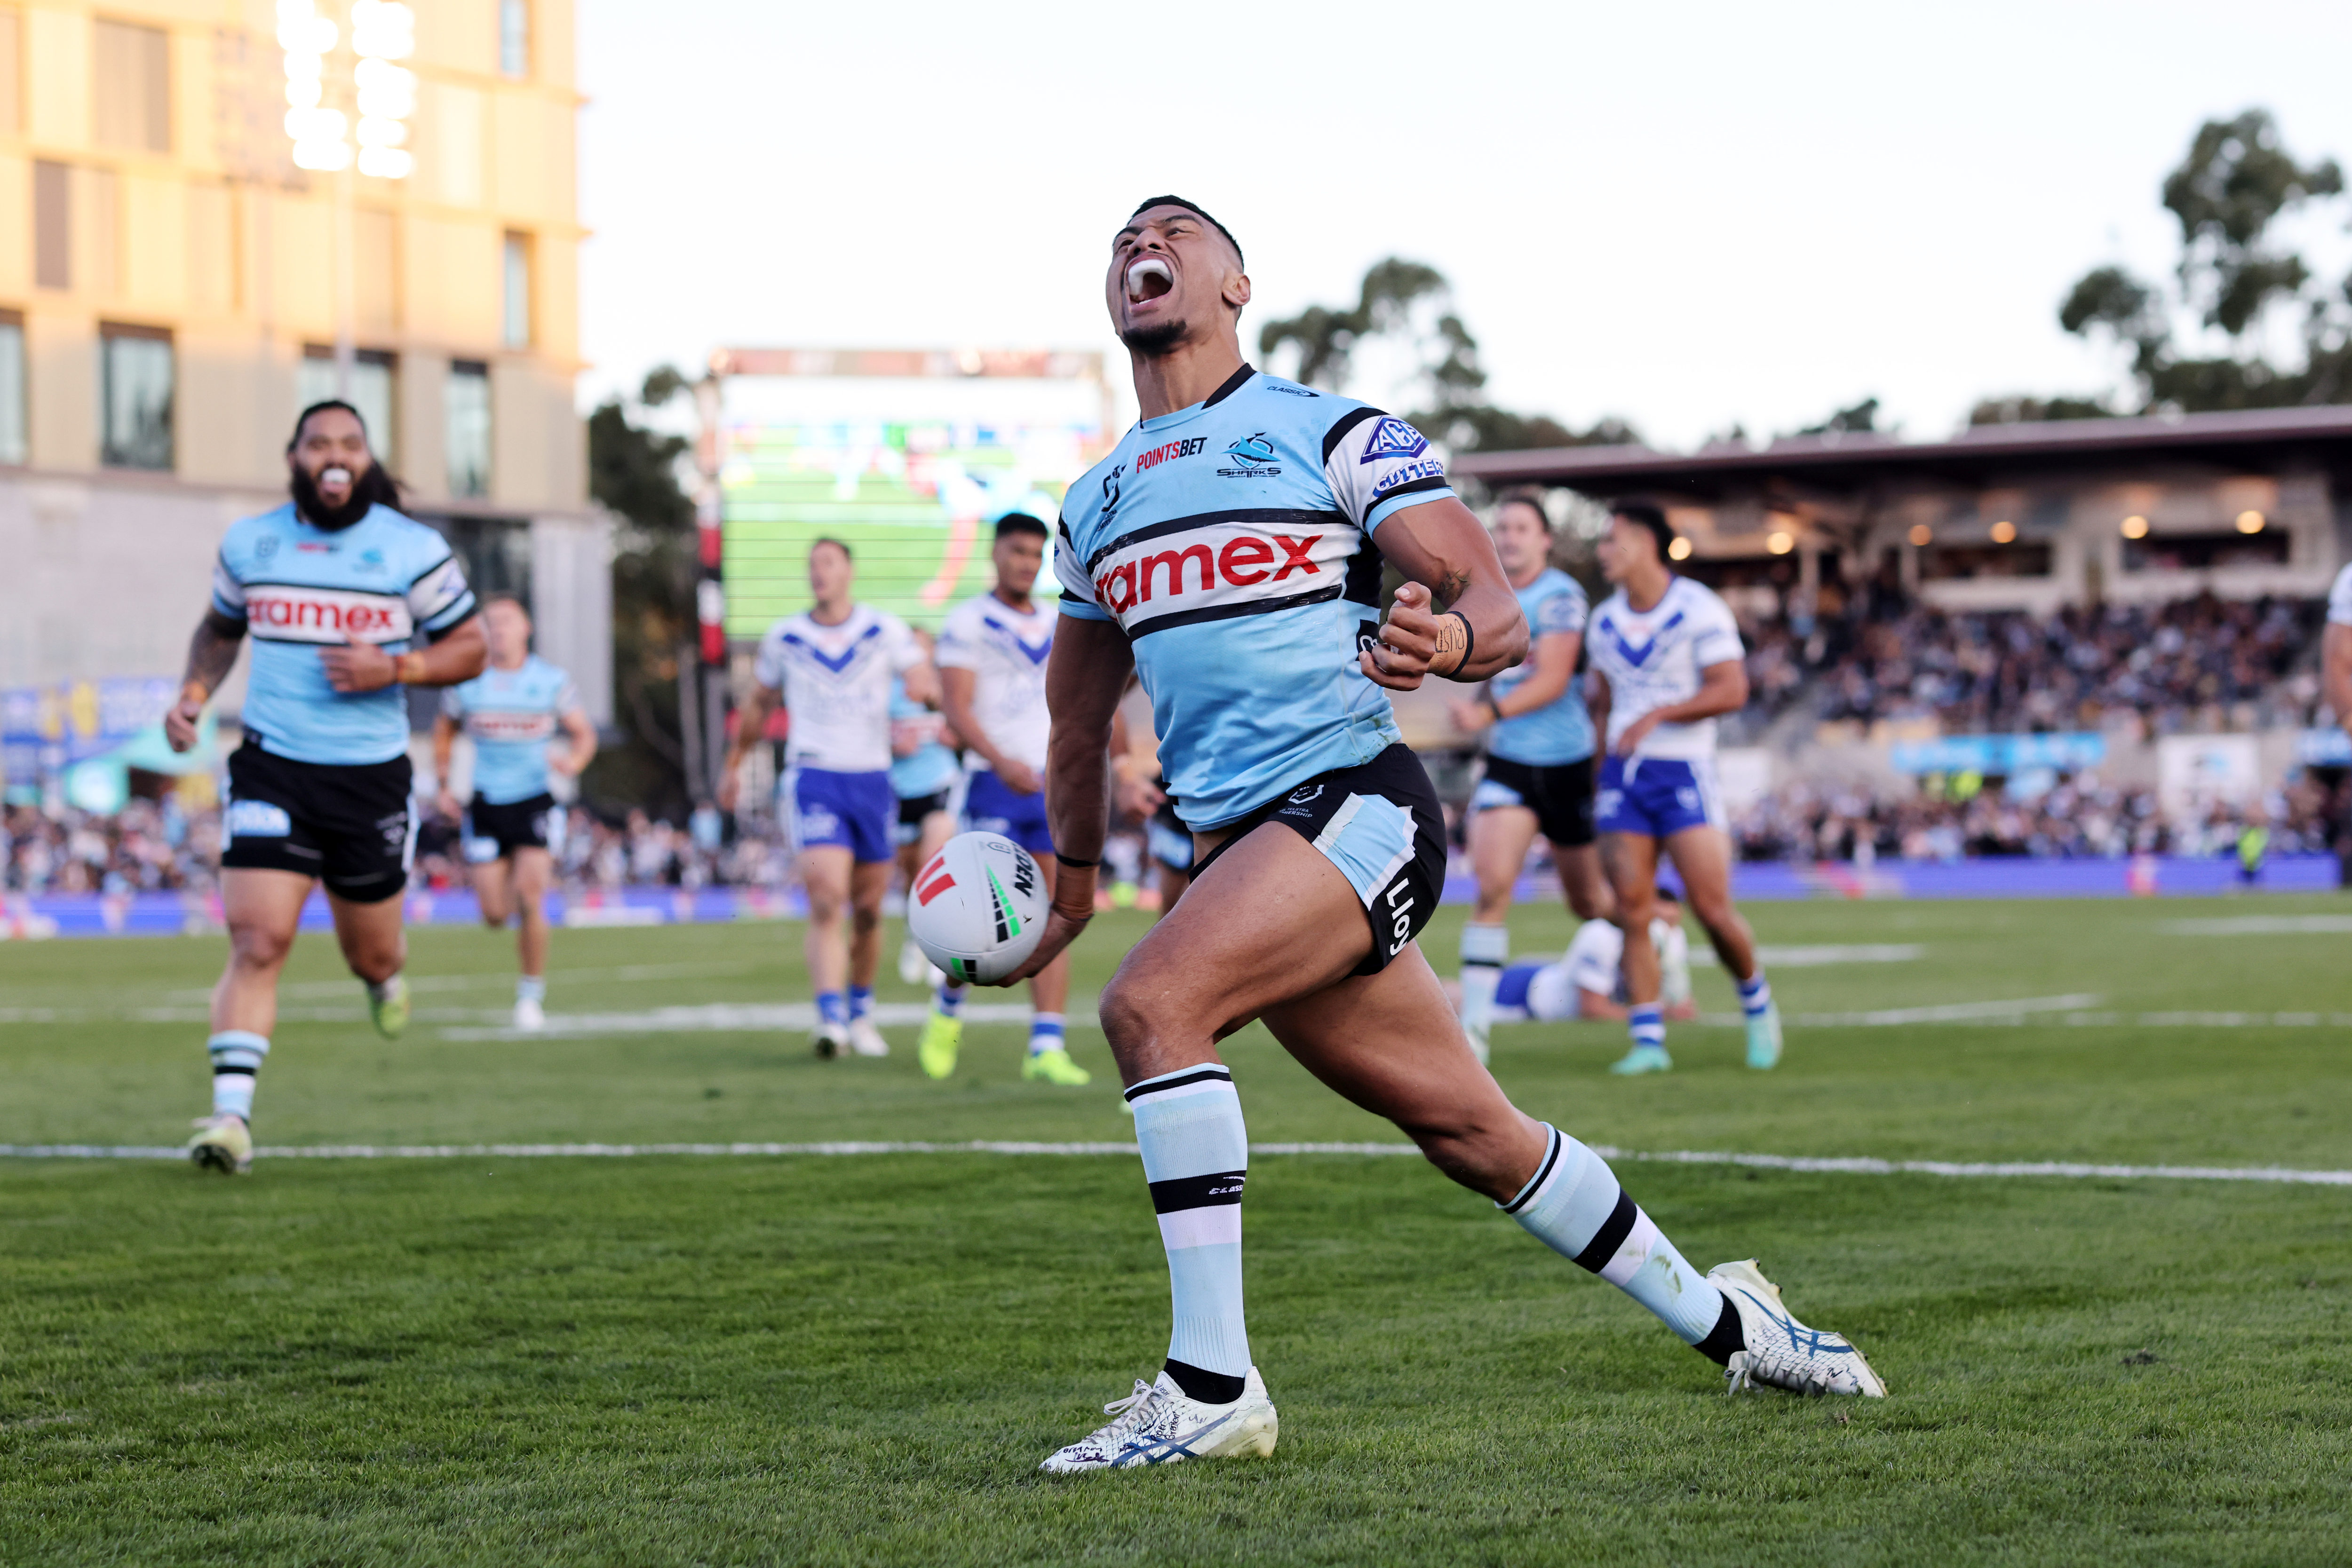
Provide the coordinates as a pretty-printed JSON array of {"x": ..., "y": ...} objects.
[
  {"x": 1075, "y": 863},
  {"x": 1469, "y": 641}
]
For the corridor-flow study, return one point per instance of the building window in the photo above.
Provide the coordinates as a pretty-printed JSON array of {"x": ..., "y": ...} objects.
[
  {"x": 133, "y": 106},
  {"x": 518, "y": 291},
  {"x": 514, "y": 38},
  {"x": 136, "y": 395},
  {"x": 52, "y": 225},
  {"x": 372, "y": 391},
  {"x": 13, "y": 448},
  {"x": 467, "y": 399}
]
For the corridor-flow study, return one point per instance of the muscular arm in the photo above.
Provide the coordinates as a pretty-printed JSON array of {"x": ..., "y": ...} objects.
[
  {"x": 212, "y": 653},
  {"x": 1085, "y": 675},
  {"x": 457, "y": 655},
  {"x": 1440, "y": 546},
  {"x": 1555, "y": 660},
  {"x": 2336, "y": 659},
  {"x": 956, "y": 689},
  {"x": 1722, "y": 688},
  {"x": 1598, "y": 699},
  {"x": 445, "y": 745},
  {"x": 581, "y": 730},
  {"x": 751, "y": 723}
]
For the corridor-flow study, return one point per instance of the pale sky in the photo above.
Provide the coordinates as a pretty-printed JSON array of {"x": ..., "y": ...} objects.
[{"x": 1688, "y": 216}]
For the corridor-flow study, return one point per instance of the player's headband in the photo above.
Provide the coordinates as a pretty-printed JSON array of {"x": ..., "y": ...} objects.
[{"x": 1197, "y": 211}]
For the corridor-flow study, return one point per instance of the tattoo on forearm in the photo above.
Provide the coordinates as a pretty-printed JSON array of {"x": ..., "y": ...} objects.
[
  {"x": 211, "y": 655},
  {"x": 1452, "y": 586}
]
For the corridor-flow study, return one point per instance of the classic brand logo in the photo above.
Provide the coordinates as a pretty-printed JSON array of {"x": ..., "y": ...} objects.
[{"x": 281, "y": 613}]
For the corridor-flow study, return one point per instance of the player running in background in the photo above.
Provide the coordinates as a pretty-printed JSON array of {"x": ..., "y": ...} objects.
[
  {"x": 1230, "y": 548},
  {"x": 510, "y": 712},
  {"x": 1139, "y": 789},
  {"x": 2335, "y": 668},
  {"x": 831, "y": 667},
  {"x": 992, "y": 661},
  {"x": 924, "y": 773},
  {"x": 1666, "y": 659},
  {"x": 1588, "y": 982},
  {"x": 1539, "y": 761},
  {"x": 346, "y": 601}
]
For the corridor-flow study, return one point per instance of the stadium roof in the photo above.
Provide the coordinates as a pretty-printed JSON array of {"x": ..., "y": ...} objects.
[{"x": 2257, "y": 441}]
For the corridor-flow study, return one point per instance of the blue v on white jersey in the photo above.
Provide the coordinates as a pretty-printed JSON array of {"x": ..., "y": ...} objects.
[
  {"x": 1005, "y": 649},
  {"x": 386, "y": 580},
  {"x": 1652, "y": 659},
  {"x": 835, "y": 682},
  {"x": 510, "y": 716},
  {"x": 1233, "y": 542}
]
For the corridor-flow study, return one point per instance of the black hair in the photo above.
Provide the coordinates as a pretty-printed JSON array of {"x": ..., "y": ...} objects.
[
  {"x": 1197, "y": 211},
  {"x": 846, "y": 553},
  {"x": 370, "y": 489},
  {"x": 1525, "y": 498},
  {"x": 303, "y": 418},
  {"x": 1021, "y": 525},
  {"x": 1652, "y": 517}
]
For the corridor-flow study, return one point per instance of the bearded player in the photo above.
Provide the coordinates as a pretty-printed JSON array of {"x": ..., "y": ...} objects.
[
  {"x": 1229, "y": 550},
  {"x": 346, "y": 601}
]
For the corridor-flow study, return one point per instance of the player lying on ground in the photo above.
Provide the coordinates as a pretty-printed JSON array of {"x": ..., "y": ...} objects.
[
  {"x": 991, "y": 663},
  {"x": 1666, "y": 660},
  {"x": 1539, "y": 775},
  {"x": 514, "y": 827},
  {"x": 1587, "y": 983},
  {"x": 831, "y": 666},
  {"x": 346, "y": 601},
  {"x": 1229, "y": 549}
]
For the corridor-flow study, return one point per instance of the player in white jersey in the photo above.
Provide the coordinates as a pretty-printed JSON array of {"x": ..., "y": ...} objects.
[
  {"x": 1229, "y": 550},
  {"x": 345, "y": 602},
  {"x": 831, "y": 667},
  {"x": 992, "y": 659},
  {"x": 1666, "y": 660},
  {"x": 511, "y": 712}
]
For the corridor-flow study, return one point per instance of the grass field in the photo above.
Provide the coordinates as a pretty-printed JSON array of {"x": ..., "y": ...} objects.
[{"x": 684, "y": 1359}]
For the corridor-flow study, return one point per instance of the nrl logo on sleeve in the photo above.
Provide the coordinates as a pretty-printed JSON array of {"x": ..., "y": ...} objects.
[{"x": 1393, "y": 437}]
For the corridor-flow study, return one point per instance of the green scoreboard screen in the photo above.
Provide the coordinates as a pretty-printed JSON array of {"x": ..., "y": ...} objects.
[{"x": 909, "y": 471}]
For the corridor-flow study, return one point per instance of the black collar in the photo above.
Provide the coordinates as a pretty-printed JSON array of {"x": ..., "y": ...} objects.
[{"x": 1234, "y": 383}]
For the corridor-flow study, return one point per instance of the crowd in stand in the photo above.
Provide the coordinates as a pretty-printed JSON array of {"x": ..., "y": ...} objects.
[{"x": 149, "y": 846}]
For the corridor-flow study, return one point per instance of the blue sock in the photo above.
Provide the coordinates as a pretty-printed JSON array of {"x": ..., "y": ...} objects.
[
  {"x": 833, "y": 1007},
  {"x": 1756, "y": 994},
  {"x": 950, "y": 1001},
  {"x": 1646, "y": 1022},
  {"x": 236, "y": 1056},
  {"x": 1196, "y": 1157},
  {"x": 1045, "y": 1033},
  {"x": 1574, "y": 1205},
  {"x": 861, "y": 1001}
]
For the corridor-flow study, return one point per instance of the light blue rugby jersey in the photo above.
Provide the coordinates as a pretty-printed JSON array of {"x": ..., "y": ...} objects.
[
  {"x": 930, "y": 771},
  {"x": 296, "y": 589},
  {"x": 1233, "y": 542},
  {"x": 512, "y": 715},
  {"x": 1561, "y": 731}
]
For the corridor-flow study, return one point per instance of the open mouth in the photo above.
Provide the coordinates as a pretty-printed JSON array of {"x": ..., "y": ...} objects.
[
  {"x": 1149, "y": 280},
  {"x": 334, "y": 475}
]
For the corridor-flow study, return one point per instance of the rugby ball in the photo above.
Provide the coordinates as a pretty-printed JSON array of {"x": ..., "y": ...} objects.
[{"x": 978, "y": 907}]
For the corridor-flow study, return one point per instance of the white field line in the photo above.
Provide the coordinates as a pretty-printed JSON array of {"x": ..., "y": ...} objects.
[
  {"x": 743, "y": 1017},
  {"x": 2263, "y": 925},
  {"x": 1820, "y": 955},
  {"x": 2062, "y": 1169}
]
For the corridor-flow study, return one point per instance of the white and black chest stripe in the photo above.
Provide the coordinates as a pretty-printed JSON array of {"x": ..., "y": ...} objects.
[{"x": 1218, "y": 565}]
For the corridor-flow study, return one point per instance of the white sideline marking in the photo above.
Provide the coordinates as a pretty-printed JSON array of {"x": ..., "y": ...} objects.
[
  {"x": 741, "y": 1016},
  {"x": 2065, "y": 1169},
  {"x": 2263, "y": 925},
  {"x": 1955, "y": 1012},
  {"x": 1820, "y": 955}
]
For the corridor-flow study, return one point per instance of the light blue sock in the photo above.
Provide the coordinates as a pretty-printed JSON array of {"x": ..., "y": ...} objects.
[
  {"x": 236, "y": 1056},
  {"x": 531, "y": 989},
  {"x": 1574, "y": 1205},
  {"x": 950, "y": 1000},
  {"x": 1196, "y": 1157},
  {"x": 1756, "y": 994},
  {"x": 833, "y": 1007},
  {"x": 1045, "y": 1033},
  {"x": 1646, "y": 1022},
  {"x": 861, "y": 1001}
]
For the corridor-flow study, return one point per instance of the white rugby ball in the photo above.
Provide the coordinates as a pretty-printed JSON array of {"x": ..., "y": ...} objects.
[{"x": 978, "y": 907}]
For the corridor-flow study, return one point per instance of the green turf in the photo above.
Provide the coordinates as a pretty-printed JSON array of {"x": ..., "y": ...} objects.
[{"x": 682, "y": 1360}]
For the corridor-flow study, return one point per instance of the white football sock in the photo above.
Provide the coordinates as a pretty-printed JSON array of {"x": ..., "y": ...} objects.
[
  {"x": 236, "y": 1056},
  {"x": 1484, "y": 950},
  {"x": 1196, "y": 1157}
]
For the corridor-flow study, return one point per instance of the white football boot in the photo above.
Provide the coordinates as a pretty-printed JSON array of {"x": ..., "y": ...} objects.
[
  {"x": 911, "y": 961},
  {"x": 1158, "y": 1424},
  {"x": 866, "y": 1040},
  {"x": 829, "y": 1040},
  {"x": 1783, "y": 1352},
  {"x": 529, "y": 1015},
  {"x": 224, "y": 1143}
]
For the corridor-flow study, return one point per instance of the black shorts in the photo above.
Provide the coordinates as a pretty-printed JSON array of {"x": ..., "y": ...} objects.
[
  {"x": 351, "y": 826},
  {"x": 516, "y": 825},
  {"x": 1170, "y": 840},
  {"x": 1391, "y": 844},
  {"x": 1561, "y": 796},
  {"x": 912, "y": 809}
]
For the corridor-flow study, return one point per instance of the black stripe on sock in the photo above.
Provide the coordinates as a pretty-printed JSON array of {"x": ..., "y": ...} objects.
[
  {"x": 1535, "y": 1182},
  {"x": 1211, "y": 1074},
  {"x": 222, "y": 1069},
  {"x": 1208, "y": 1388},
  {"x": 1197, "y": 1192},
  {"x": 1725, "y": 1337},
  {"x": 1611, "y": 1234}
]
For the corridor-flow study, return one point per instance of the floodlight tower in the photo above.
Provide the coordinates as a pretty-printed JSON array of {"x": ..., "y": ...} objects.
[{"x": 383, "y": 94}]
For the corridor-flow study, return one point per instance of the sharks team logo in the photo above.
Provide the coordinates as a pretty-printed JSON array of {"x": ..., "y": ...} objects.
[{"x": 1256, "y": 455}]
